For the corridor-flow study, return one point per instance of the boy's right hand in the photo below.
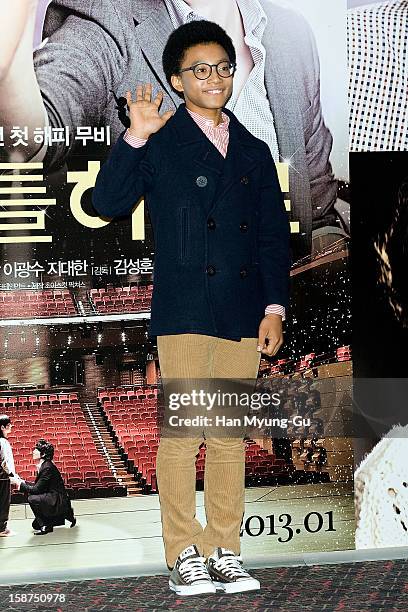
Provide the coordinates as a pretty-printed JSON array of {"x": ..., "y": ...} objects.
[{"x": 144, "y": 112}]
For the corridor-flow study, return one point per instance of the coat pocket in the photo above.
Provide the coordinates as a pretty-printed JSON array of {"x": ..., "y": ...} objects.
[
  {"x": 255, "y": 239},
  {"x": 184, "y": 234}
]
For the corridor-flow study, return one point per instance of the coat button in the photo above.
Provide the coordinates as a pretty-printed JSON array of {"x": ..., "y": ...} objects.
[
  {"x": 245, "y": 180},
  {"x": 243, "y": 273},
  {"x": 244, "y": 226},
  {"x": 201, "y": 181},
  {"x": 210, "y": 270},
  {"x": 211, "y": 224}
]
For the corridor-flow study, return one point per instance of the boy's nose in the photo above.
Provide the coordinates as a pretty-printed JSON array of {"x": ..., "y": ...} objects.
[{"x": 214, "y": 76}]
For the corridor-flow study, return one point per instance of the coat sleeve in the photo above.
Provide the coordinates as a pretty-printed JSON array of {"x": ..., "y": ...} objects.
[
  {"x": 273, "y": 237},
  {"x": 126, "y": 176},
  {"x": 83, "y": 58},
  {"x": 41, "y": 486},
  {"x": 318, "y": 141}
]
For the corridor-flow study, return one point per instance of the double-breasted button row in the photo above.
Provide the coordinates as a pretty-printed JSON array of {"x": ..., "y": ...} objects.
[
  {"x": 211, "y": 271},
  {"x": 212, "y": 225},
  {"x": 202, "y": 181}
]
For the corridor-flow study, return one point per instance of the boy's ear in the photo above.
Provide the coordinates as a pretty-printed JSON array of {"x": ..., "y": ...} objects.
[{"x": 177, "y": 82}]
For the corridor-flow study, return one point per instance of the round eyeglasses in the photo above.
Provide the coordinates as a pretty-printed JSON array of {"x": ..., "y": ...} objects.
[{"x": 203, "y": 71}]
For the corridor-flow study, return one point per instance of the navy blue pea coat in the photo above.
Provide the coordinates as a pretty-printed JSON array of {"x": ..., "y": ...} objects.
[{"x": 220, "y": 227}]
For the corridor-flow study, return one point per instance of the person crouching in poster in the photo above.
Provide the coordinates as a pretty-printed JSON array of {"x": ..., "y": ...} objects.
[
  {"x": 221, "y": 279},
  {"x": 7, "y": 470},
  {"x": 47, "y": 497}
]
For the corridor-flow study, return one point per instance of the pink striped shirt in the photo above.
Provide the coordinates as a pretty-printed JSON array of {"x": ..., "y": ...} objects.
[{"x": 219, "y": 136}]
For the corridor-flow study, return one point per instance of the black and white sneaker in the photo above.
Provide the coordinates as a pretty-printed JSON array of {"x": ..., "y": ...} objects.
[
  {"x": 189, "y": 575},
  {"x": 227, "y": 573}
]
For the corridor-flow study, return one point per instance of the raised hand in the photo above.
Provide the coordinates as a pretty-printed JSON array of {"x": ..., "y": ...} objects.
[{"x": 144, "y": 112}]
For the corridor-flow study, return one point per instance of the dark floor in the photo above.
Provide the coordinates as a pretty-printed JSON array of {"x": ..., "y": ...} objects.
[{"x": 376, "y": 585}]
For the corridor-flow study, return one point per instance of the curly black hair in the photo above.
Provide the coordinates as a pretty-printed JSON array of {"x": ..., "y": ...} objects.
[
  {"x": 187, "y": 36},
  {"x": 4, "y": 421},
  {"x": 46, "y": 449}
]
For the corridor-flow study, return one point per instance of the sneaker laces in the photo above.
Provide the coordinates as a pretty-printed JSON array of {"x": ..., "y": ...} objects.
[
  {"x": 231, "y": 566},
  {"x": 193, "y": 569}
]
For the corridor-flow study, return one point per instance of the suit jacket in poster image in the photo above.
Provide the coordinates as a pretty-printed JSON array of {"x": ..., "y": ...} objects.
[{"x": 220, "y": 227}]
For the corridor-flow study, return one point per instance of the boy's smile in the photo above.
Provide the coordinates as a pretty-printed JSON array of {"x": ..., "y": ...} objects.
[{"x": 208, "y": 96}]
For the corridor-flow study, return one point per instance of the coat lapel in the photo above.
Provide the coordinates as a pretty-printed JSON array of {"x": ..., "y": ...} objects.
[
  {"x": 39, "y": 471},
  {"x": 199, "y": 152},
  {"x": 242, "y": 156},
  {"x": 189, "y": 134},
  {"x": 242, "y": 153}
]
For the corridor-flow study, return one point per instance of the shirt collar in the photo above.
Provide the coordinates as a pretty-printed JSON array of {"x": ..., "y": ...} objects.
[
  {"x": 180, "y": 12},
  {"x": 209, "y": 122},
  {"x": 253, "y": 15}
]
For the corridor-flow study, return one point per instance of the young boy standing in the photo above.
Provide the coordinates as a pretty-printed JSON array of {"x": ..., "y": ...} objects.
[{"x": 220, "y": 280}]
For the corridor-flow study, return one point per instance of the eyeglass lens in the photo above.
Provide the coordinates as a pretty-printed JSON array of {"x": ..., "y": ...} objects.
[{"x": 203, "y": 71}]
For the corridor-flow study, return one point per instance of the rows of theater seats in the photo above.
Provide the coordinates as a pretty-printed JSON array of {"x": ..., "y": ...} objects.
[
  {"x": 317, "y": 451},
  {"x": 262, "y": 467},
  {"x": 297, "y": 396},
  {"x": 119, "y": 299},
  {"x": 329, "y": 458},
  {"x": 59, "y": 419},
  {"x": 309, "y": 454},
  {"x": 343, "y": 353},
  {"x": 60, "y": 302},
  {"x": 132, "y": 416},
  {"x": 46, "y": 303}
]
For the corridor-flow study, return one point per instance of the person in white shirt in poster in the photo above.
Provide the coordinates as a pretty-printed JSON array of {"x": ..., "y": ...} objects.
[{"x": 7, "y": 470}]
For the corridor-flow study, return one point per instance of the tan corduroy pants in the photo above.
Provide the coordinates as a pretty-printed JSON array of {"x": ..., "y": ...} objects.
[{"x": 194, "y": 356}]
